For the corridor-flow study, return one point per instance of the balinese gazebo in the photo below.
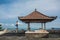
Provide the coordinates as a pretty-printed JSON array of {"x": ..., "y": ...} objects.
[{"x": 37, "y": 17}]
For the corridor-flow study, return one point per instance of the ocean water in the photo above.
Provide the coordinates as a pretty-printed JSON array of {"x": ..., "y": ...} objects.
[
  {"x": 31, "y": 29},
  {"x": 21, "y": 28},
  {"x": 25, "y": 28}
]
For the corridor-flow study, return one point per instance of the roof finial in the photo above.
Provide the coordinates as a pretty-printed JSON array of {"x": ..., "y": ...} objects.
[{"x": 35, "y": 9}]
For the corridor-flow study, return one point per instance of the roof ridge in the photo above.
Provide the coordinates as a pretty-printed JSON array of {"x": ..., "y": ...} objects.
[{"x": 42, "y": 14}]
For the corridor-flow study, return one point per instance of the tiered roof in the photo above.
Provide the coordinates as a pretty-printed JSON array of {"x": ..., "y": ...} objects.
[{"x": 37, "y": 16}]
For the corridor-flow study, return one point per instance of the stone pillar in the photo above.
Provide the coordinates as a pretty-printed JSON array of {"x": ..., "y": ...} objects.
[
  {"x": 44, "y": 25},
  {"x": 28, "y": 26}
]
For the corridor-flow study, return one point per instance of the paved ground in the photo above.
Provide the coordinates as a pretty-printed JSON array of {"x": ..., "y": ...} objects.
[
  {"x": 18, "y": 36},
  {"x": 24, "y": 38}
]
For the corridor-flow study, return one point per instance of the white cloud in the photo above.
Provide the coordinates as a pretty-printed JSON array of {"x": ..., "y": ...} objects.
[
  {"x": 19, "y": 9},
  {"x": 7, "y": 24},
  {"x": 1, "y": 23},
  {"x": 12, "y": 25},
  {"x": 20, "y": 23}
]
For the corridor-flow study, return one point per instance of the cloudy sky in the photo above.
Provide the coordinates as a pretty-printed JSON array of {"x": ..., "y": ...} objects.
[{"x": 11, "y": 9}]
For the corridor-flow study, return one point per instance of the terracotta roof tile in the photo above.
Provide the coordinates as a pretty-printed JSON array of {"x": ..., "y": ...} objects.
[{"x": 36, "y": 15}]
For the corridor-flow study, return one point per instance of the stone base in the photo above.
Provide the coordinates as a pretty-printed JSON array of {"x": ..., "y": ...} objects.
[{"x": 36, "y": 35}]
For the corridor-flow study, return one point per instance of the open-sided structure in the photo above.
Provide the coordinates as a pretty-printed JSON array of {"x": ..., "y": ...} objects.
[{"x": 37, "y": 17}]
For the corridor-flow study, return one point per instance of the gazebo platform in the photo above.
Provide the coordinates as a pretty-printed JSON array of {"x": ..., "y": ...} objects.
[{"x": 36, "y": 33}]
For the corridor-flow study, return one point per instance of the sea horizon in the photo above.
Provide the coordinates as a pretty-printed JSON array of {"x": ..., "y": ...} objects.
[{"x": 25, "y": 28}]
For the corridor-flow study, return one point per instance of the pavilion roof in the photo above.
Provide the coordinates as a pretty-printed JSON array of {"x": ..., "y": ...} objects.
[{"x": 35, "y": 15}]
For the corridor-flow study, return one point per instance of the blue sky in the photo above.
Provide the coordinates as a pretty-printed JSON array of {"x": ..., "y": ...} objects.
[{"x": 11, "y": 9}]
